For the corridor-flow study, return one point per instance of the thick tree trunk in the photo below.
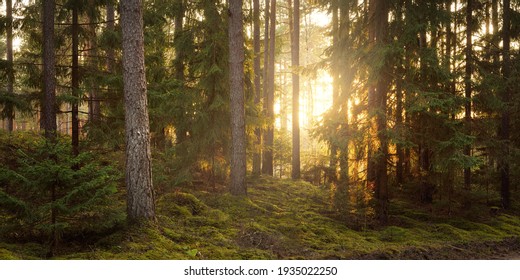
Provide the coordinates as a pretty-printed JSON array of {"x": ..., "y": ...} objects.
[
  {"x": 295, "y": 55},
  {"x": 140, "y": 193},
  {"x": 9, "y": 58},
  {"x": 257, "y": 158},
  {"x": 236, "y": 75}
]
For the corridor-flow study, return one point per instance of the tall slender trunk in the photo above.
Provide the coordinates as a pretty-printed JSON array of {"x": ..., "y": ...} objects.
[
  {"x": 75, "y": 81},
  {"x": 295, "y": 51},
  {"x": 257, "y": 158},
  {"x": 371, "y": 167},
  {"x": 504, "y": 127},
  {"x": 9, "y": 57},
  {"x": 49, "y": 72},
  {"x": 180, "y": 132},
  {"x": 111, "y": 56},
  {"x": 94, "y": 101},
  {"x": 467, "y": 87},
  {"x": 265, "y": 169},
  {"x": 267, "y": 166},
  {"x": 236, "y": 74},
  {"x": 335, "y": 84},
  {"x": 49, "y": 102},
  {"x": 140, "y": 193},
  {"x": 380, "y": 162}
]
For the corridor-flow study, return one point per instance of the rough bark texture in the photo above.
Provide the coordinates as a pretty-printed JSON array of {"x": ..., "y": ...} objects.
[
  {"x": 295, "y": 51},
  {"x": 140, "y": 193},
  {"x": 48, "y": 122},
  {"x": 236, "y": 76},
  {"x": 9, "y": 58},
  {"x": 257, "y": 158}
]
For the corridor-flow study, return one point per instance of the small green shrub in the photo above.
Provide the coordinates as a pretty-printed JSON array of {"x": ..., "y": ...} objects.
[{"x": 48, "y": 193}]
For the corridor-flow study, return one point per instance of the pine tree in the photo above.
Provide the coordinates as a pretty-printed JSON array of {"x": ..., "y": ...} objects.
[
  {"x": 295, "y": 55},
  {"x": 236, "y": 75},
  {"x": 257, "y": 158},
  {"x": 504, "y": 126},
  {"x": 48, "y": 123},
  {"x": 9, "y": 108},
  {"x": 140, "y": 197}
]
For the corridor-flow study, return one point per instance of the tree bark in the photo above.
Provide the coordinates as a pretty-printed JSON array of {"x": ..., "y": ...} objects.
[
  {"x": 48, "y": 123},
  {"x": 181, "y": 131},
  {"x": 94, "y": 102},
  {"x": 380, "y": 19},
  {"x": 504, "y": 128},
  {"x": 236, "y": 75},
  {"x": 9, "y": 58},
  {"x": 49, "y": 72},
  {"x": 140, "y": 193},
  {"x": 333, "y": 164},
  {"x": 295, "y": 57},
  {"x": 467, "y": 87},
  {"x": 267, "y": 166},
  {"x": 111, "y": 56},
  {"x": 257, "y": 158},
  {"x": 75, "y": 81}
]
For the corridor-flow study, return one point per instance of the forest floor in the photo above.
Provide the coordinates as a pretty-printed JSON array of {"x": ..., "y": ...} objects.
[{"x": 284, "y": 219}]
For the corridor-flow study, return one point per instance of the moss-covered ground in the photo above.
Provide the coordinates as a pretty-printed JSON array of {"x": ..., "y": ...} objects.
[{"x": 283, "y": 219}]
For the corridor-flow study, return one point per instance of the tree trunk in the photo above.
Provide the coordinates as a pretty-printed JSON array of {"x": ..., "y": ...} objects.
[
  {"x": 267, "y": 166},
  {"x": 333, "y": 165},
  {"x": 236, "y": 75},
  {"x": 295, "y": 55},
  {"x": 111, "y": 56},
  {"x": 140, "y": 193},
  {"x": 265, "y": 169},
  {"x": 49, "y": 72},
  {"x": 181, "y": 131},
  {"x": 380, "y": 98},
  {"x": 94, "y": 102},
  {"x": 75, "y": 81},
  {"x": 467, "y": 87},
  {"x": 257, "y": 158},
  {"x": 504, "y": 128},
  {"x": 49, "y": 102},
  {"x": 9, "y": 58}
]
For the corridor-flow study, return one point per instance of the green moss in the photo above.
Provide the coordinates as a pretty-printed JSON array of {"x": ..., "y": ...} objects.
[
  {"x": 7, "y": 255},
  {"x": 393, "y": 234},
  {"x": 178, "y": 203}
]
